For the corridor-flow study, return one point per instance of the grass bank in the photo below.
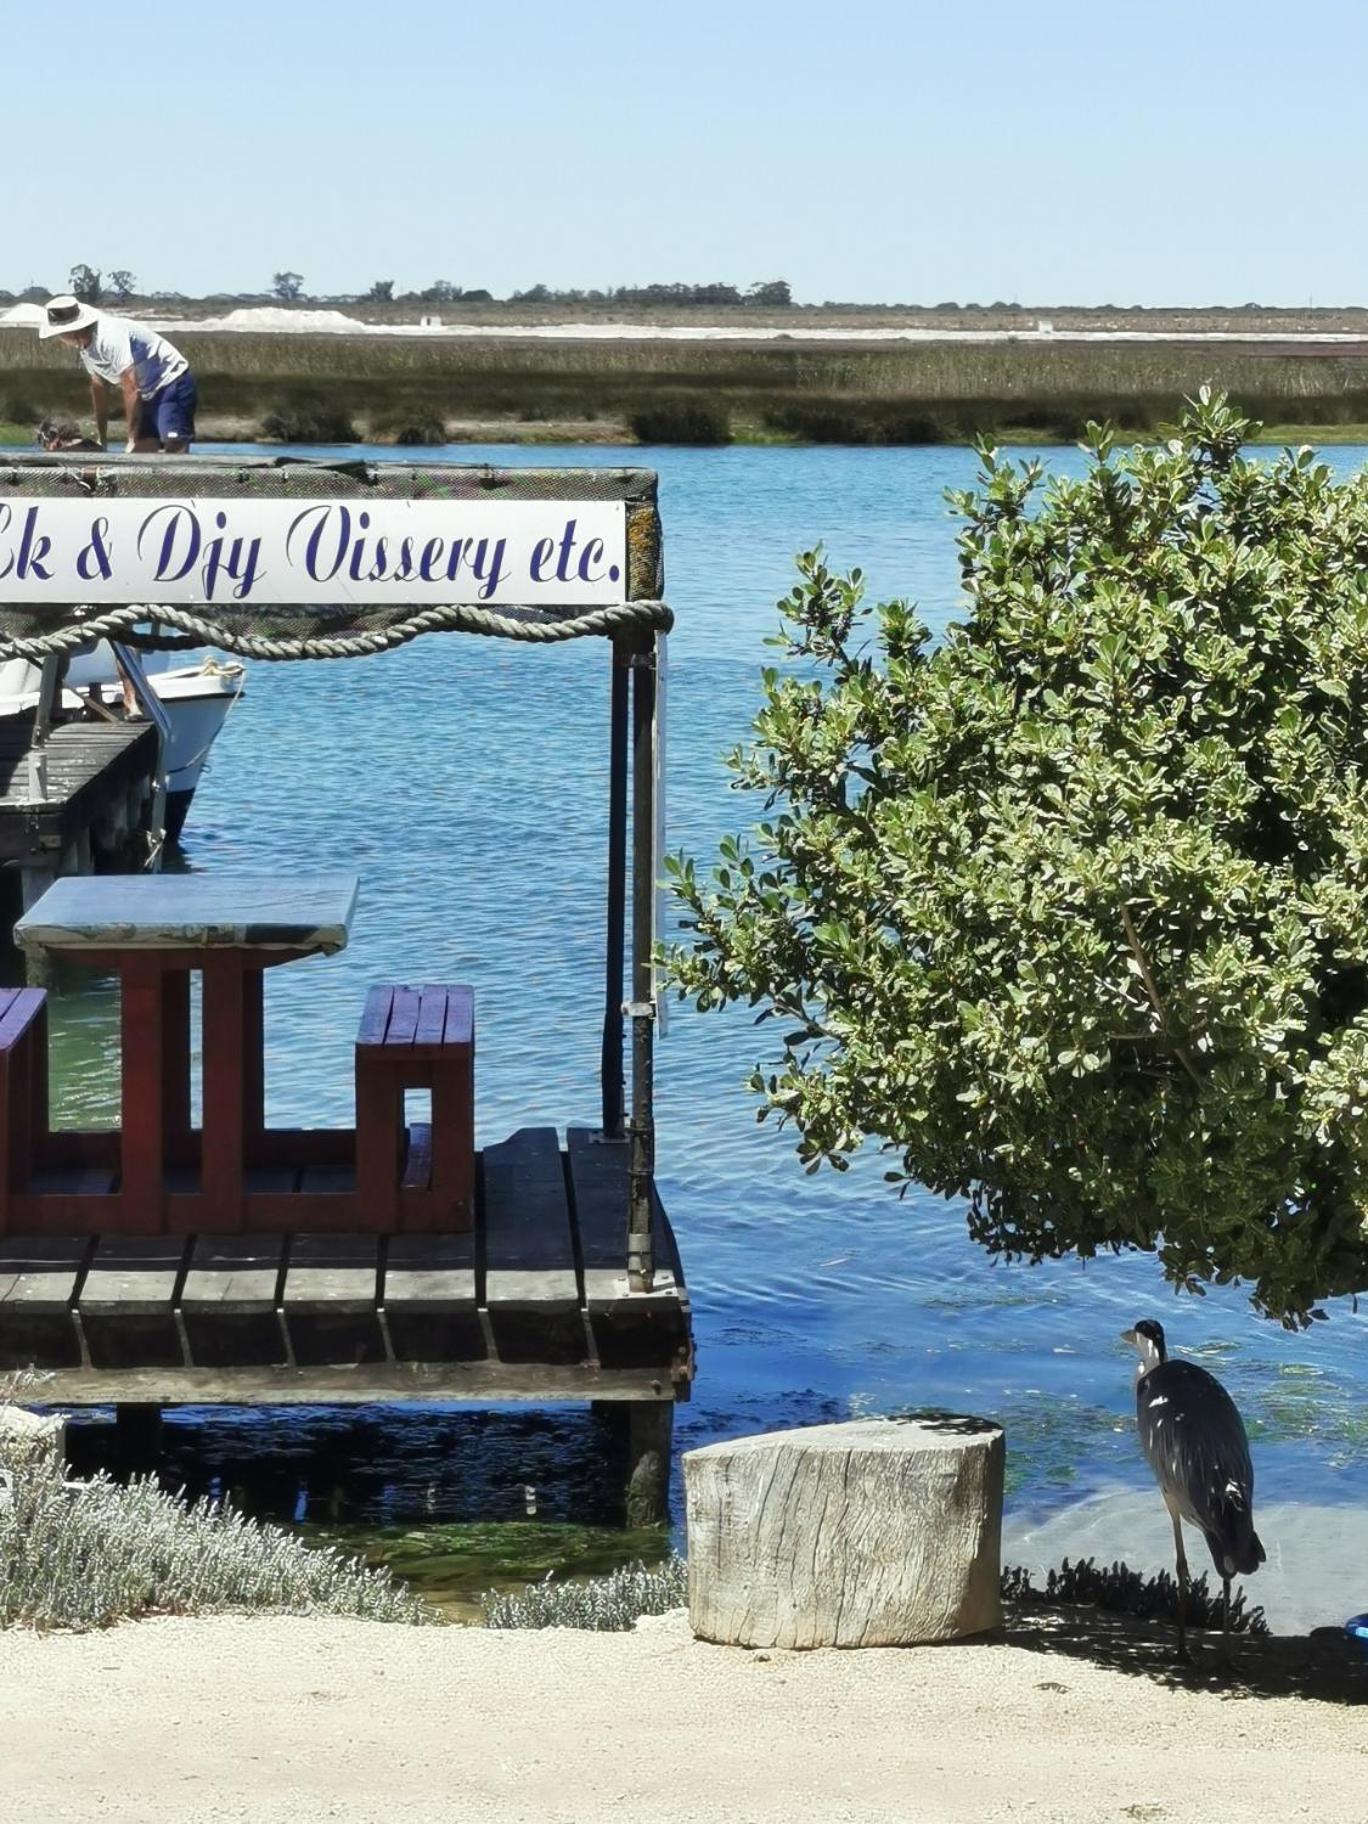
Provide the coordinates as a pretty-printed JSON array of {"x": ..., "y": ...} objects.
[{"x": 320, "y": 388}]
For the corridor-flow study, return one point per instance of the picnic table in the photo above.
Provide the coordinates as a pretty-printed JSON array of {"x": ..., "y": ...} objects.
[{"x": 153, "y": 932}]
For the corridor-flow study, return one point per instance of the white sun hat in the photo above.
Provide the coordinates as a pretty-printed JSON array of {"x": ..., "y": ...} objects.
[{"x": 64, "y": 315}]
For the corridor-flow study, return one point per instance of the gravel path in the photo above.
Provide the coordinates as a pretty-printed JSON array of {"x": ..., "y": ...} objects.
[{"x": 200, "y": 1721}]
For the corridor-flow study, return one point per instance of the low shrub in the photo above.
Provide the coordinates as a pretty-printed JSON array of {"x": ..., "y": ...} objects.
[
  {"x": 1122, "y": 1591},
  {"x": 696, "y": 421},
  {"x": 605, "y": 1605},
  {"x": 84, "y": 1555},
  {"x": 422, "y": 432},
  {"x": 310, "y": 421}
]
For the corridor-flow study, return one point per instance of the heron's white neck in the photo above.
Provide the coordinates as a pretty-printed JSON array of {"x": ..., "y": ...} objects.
[{"x": 1149, "y": 1355}]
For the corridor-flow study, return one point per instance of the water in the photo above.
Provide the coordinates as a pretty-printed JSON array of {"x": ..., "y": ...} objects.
[{"x": 465, "y": 780}]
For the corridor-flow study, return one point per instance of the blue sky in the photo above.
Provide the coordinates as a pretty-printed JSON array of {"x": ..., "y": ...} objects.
[{"x": 1050, "y": 153}]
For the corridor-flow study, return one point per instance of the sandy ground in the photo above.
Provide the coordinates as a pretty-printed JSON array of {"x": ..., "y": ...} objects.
[{"x": 269, "y": 1721}]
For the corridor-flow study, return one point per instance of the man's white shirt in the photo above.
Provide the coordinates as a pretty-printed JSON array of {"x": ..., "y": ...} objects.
[{"x": 118, "y": 345}]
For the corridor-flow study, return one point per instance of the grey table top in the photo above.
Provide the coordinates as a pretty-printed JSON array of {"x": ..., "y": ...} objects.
[{"x": 311, "y": 912}]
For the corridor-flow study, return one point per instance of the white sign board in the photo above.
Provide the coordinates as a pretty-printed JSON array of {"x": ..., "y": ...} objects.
[{"x": 366, "y": 552}]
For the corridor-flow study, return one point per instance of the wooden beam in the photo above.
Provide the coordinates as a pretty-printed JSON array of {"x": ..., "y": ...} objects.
[{"x": 447, "y": 1383}]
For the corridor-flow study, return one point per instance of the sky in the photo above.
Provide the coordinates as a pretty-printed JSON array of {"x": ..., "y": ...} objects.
[{"x": 1044, "y": 153}]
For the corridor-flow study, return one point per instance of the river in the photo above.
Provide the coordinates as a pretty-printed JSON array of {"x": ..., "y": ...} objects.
[{"x": 465, "y": 780}]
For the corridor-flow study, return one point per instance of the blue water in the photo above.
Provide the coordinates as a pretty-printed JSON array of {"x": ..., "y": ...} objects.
[{"x": 465, "y": 780}]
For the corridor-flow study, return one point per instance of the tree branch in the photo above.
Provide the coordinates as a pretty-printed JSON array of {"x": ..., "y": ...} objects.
[{"x": 1152, "y": 990}]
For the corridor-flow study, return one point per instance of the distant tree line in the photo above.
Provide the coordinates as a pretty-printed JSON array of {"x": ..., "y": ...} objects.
[{"x": 93, "y": 286}]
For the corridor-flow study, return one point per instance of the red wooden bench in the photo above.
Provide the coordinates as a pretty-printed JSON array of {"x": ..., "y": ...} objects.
[
  {"x": 23, "y": 1086},
  {"x": 416, "y": 1038}
]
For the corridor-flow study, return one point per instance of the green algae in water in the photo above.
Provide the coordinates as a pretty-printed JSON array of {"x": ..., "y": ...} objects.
[{"x": 452, "y": 1566}]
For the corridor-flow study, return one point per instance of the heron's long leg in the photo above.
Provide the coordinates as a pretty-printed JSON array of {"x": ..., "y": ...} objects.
[
  {"x": 1180, "y": 1557},
  {"x": 1226, "y": 1653}
]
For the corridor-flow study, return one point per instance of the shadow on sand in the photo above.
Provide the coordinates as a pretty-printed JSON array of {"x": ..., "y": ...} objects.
[{"x": 1325, "y": 1665}]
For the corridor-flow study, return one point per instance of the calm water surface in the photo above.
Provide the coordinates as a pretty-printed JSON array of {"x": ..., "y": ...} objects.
[{"x": 465, "y": 781}]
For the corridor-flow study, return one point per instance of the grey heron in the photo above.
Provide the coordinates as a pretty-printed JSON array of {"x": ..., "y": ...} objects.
[{"x": 1195, "y": 1440}]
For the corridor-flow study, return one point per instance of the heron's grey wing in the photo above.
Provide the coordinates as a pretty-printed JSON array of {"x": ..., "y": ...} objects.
[{"x": 1195, "y": 1441}]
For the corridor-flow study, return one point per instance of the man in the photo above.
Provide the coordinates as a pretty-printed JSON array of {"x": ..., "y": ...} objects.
[{"x": 159, "y": 393}]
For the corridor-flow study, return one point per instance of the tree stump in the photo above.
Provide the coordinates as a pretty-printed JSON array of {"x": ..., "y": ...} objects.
[{"x": 881, "y": 1532}]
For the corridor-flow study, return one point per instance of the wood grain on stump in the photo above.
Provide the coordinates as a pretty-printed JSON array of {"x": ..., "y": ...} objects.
[{"x": 880, "y": 1532}]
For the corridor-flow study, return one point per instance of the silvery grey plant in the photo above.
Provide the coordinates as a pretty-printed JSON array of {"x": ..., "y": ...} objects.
[
  {"x": 608, "y": 1604},
  {"x": 84, "y": 1555}
]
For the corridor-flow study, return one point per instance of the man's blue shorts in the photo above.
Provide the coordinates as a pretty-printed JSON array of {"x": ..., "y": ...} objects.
[{"x": 170, "y": 413}]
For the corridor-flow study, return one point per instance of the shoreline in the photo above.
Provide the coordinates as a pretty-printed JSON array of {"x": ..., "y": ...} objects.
[{"x": 598, "y": 433}]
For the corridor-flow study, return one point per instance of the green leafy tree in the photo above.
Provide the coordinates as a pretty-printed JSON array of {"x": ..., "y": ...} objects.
[
  {"x": 122, "y": 285},
  {"x": 87, "y": 284},
  {"x": 381, "y": 292},
  {"x": 1070, "y": 912},
  {"x": 770, "y": 292},
  {"x": 288, "y": 286}
]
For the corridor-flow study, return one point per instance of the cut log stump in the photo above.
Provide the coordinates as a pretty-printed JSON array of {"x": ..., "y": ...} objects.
[{"x": 881, "y": 1532}]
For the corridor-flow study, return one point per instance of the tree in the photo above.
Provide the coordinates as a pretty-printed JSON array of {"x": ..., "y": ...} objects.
[
  {"x": 287, "y": 286},
  {"x": 1071, "y": 911},
  {"x": 771, "y": 292},
  {"x": 381, "y": 292},
  {"x": 441, "y": 291},
  {"x": 87, "y": 284},
  {"x": 122, "y": 285}
]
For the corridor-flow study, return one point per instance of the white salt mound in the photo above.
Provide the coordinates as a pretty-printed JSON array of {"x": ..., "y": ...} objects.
[
  {"x": 272, "y": 317},
  {"x": 23, "y": 316}
]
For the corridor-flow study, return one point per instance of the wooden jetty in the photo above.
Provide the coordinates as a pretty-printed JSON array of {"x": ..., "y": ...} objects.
[
  {"x": 74, "y": 795},
  {"x": 168, "y": 1263}
]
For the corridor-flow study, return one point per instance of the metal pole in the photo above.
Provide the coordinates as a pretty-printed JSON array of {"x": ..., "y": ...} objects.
[
  {"x": 611, "y": 1068},
  {"x": 641, "y": 1166}
]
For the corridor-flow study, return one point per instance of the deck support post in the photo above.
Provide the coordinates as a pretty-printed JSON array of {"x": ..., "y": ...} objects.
[
  {"x": 641, "y": 1168},
  {"x": 611, "y": 1067},
  {"x": 650, "y": 1432},
  {"x": 138, "y": 1433}
]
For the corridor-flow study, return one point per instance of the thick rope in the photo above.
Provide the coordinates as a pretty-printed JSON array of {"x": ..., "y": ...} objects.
[{"x": 121, "y": 623}]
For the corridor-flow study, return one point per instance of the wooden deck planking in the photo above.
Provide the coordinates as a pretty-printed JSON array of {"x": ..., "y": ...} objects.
[
  {"x": 331, "y": 1298},
  {"x": 539, "y": 1285},
  {"x": 38, "y": 1280},
  {"x": 531, "y": 1287},
  {"x": 127, "y": 1301},
  {"x": 229, "y": 1304},
  {"x": 429, "y": 1298},
  {"x": 85, "y": 763},
  {"x": 629, "y": 1329}
]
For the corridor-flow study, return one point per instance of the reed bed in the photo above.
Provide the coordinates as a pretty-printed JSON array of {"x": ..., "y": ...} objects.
[{"x": 409, "y": 389}]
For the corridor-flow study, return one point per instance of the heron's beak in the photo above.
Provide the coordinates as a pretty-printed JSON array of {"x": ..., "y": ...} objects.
[{"x": 1128, "y": 1336}]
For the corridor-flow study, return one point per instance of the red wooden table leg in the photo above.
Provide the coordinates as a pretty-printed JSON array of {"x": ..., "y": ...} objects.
[
  {"x": 225, "y": 1099},
  {"x": 141, "y": 1203},
  {"x": 253, "y": 1063}
]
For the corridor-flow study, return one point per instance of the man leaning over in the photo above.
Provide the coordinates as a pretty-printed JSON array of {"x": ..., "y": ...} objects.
[{"x": 159, "y": 393}]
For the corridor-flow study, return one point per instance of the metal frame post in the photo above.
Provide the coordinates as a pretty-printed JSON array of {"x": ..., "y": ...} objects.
[
  {"x": 611, "y": 1067},
  {"x": 641, "y": 1164}
]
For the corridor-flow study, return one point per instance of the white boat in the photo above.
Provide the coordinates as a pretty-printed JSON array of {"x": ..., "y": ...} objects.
[{"x": 198, "y": 695}]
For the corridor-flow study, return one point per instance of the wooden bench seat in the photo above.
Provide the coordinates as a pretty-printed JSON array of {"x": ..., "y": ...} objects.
[{"x": 416, "y": 1038}]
